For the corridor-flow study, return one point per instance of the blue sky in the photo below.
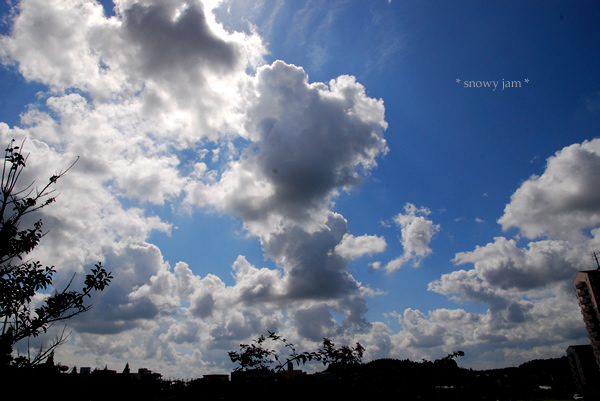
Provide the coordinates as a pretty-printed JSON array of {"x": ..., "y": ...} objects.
[{"x": 315, "y": 168}]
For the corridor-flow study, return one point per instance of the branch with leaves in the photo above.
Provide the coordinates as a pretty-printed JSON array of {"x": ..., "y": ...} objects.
[
  {"x": 344, "y": 355},
  {"x": 256, "y": 356},
  {"x": 20, "y": 279}
]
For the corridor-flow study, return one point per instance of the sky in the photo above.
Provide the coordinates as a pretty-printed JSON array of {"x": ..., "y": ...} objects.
[{"x": 421, "y": 177}]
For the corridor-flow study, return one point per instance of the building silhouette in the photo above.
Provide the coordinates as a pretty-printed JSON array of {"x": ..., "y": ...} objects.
[
  {"x": 587, "y": 287},
  {"x": 584, "y": 369}
]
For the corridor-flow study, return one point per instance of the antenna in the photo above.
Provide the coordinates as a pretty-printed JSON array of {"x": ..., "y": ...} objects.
[{"x": 595, "y": 255}]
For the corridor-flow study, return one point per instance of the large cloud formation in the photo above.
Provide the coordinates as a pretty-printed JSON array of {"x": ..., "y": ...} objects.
[
  {"x": 166, "y": 107},
  {"x": 529, "y": 288},
  {"x": 143, "y": 97}
]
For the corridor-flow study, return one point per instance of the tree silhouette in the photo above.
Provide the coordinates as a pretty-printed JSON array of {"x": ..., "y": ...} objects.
[
  {"x": 254, "y": 356},
  {"x": 344, "y": 355},
  {"x": 257, "y": 356},
  {"x": 21, "y": 279}
]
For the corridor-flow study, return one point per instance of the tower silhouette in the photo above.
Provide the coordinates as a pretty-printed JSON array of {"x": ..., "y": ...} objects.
[{"x": 587, "y": 287}]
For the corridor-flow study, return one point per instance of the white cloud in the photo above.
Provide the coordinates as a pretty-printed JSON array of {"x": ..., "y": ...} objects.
[
  {"x": 564, "y": 200},
  {"x": 144, "y": 59},
  {"x": 351, "y": 247},
  {"x": 165, "y": 106},
  {"x": 308, "y": 141},
  {"x": 417, "y": 233},
  {"x": 440, "y": 327},
  {"x": 53, "y": 42},
  {"x": 143, "y": 98},
  {"x": 549, "y": 328},
  {"x": 529, "y": 291}
]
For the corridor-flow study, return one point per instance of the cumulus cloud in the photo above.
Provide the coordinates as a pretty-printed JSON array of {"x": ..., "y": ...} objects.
[
  {"x": 152, "y": 59},
  {"x": 484, "y": 338},
  {"x": 351, "y": 247},
  {"x": 175, "y": 38},
  {"x": 528, "y": 289},
  {"x": 166, "y": 107},
  {"x": 441, "y": 327},
  {"x": 564, "y": 200},
  {"x": 309, "y": 141},
  {"x": 417, "y": 232},
  {"x": 50, "y": 44},
  {"x": 517, "y": 281}
]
